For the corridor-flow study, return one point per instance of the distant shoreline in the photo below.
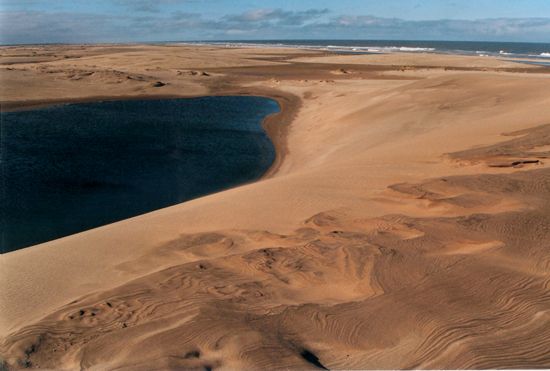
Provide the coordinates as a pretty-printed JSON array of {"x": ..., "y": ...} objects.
[
  {"x": 505, "y": 49},
  {"x": 471, "y": 48}
]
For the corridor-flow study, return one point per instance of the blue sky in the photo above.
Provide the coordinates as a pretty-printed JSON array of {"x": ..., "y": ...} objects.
[{"x": 38, "y": 21}]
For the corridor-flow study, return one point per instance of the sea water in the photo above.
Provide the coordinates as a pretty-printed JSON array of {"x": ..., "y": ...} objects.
[{"x": 479, "y": 48}]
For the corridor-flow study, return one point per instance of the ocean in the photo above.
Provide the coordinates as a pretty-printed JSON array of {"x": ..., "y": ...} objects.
[
  {"x": 481, "y": 48},
  {"x": 70, "y": 168}
]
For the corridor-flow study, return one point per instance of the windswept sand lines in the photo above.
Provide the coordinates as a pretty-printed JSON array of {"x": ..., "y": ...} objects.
[
  {"x": 459, "y": 335},
  {"x": 529, "y": 147},
  {"x": 469, "y": 290},
  {"x": 333, "y": 291}
]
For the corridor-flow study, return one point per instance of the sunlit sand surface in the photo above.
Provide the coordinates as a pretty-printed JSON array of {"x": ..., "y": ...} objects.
[{"x": 404, "y": 224}]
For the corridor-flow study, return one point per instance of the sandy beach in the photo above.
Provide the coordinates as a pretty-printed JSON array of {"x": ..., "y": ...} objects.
[{"x": 404, "y": 224}]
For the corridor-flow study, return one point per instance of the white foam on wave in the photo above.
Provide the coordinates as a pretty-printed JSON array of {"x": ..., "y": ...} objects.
[
  {"x": 376, "y": 49},
  {"x": 351, "y": 48},
  {"x": 481, "y": 53},
  {"x": 415, "y": 49},
  {"x": 380, "y": 49},
  {"x": 541, "y": 55},
  {"x": 366, "y": 48}
]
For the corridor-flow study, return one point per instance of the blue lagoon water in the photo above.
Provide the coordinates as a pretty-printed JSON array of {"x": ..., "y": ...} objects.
[{"x": 69, "y": 168}]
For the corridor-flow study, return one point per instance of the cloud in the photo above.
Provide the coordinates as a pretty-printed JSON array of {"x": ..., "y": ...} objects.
[
  {"x": 42, "y": 27},
  {"x": 534, "y": 29},
  {"x": 150, "y": 25},
  {"x": 148, "y": 6},
  {"x": 276, "y": 16},
  {"x": 34, "y": 27}
]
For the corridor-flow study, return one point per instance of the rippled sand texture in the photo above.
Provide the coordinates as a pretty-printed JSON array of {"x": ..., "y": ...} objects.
[{"x": 407, "y": 225}]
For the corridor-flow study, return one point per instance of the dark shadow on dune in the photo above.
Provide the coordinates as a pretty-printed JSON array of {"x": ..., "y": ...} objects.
[{"x": 312, "y": 358}]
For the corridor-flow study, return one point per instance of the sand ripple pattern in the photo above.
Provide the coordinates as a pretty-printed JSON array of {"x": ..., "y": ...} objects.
[
  {"x": 339, "y": 292},
  {"x": 469, "y": 288}
]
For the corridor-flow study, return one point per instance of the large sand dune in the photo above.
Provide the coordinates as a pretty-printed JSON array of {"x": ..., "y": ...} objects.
[{"x": 405, "y": 224}]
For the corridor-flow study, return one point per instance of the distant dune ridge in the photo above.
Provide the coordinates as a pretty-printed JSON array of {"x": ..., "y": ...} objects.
[{"x": 404, "y": 224}]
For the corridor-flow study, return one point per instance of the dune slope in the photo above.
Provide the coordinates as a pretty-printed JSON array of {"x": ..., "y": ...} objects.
[{"x": 406, "y": 226}]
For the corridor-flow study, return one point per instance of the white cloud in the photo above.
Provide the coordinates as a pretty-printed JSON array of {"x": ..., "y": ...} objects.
[{"x": 149, "y": 25}]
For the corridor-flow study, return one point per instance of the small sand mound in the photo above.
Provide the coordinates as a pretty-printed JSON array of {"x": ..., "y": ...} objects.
[
  {"x": 194, "y": 73},
  {"x": 342, "y": 71}
]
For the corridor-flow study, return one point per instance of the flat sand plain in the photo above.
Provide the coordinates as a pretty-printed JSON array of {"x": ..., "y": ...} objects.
[{"x": 405, "y": 223}]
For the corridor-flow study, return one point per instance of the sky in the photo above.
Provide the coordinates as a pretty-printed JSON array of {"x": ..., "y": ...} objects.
[{"x": 88, "y": 21}]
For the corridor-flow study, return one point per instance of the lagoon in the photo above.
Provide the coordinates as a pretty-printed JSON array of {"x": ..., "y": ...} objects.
[{"x": 69, "y": 168}]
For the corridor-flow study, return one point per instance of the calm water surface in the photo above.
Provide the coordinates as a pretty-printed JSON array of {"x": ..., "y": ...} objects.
[{"x": 69, "y": 168}]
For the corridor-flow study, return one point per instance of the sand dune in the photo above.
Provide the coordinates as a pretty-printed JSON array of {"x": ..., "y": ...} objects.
[{"x": 405, "y": 225}]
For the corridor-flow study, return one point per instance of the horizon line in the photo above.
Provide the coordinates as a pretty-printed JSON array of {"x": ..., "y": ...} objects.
[{"x": 264, "y": 40}]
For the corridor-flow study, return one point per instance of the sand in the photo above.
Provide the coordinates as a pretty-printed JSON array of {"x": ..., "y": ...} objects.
[{"x": 405, "y": 223}]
